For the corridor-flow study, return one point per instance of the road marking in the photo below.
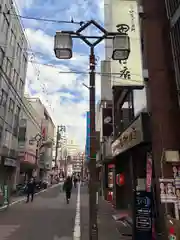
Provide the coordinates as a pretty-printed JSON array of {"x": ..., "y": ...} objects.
[
  {"x": 77, "y": 224},
  {"x": 24, "y": 198}
]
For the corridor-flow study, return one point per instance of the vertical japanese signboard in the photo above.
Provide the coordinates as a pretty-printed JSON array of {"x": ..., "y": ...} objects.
[
  {"x": 125, "y": 19},
  {"x": 148, "y": 172}
]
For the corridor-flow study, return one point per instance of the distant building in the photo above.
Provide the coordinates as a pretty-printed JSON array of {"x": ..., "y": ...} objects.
[{"x": 41, "y": 123}]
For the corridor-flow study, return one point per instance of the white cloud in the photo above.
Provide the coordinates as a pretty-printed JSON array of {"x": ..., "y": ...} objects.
[
  {"x": 21, "y": 4},
  {"x": 49, "y": 81}
]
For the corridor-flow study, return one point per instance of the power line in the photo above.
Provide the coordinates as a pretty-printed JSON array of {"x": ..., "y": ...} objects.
[{"x": 44, "y": 19}]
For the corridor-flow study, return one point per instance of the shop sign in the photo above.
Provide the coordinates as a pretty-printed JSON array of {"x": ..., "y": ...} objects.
[
  {"x": 167, "y": 190},
  {"x": 10, "y": 162},
  {"x": 148, "y": 172},
  {"x": 130, "y": 138},
  {"x": 107, "y": 122},
  {"x": 143, "y": 215},
  {"x": 110, "y": 176}
]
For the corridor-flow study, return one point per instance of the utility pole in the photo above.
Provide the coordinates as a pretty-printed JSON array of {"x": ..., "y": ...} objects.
[
  {"x": 58, "y": 137},
  {"x": 164, "y": 107},
  {"x": 92, "y": 165},
  {"x": 63, "y": 50}
]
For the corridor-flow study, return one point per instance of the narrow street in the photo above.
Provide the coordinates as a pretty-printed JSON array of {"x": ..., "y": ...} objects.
[{"x": 47, "y": 218}]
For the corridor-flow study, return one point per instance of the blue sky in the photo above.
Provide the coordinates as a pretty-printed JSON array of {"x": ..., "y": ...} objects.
[{"x": 62, "y": 93}]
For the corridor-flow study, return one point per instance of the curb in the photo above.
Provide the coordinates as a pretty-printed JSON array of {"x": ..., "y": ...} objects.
[{"x": 24, "y": 198}]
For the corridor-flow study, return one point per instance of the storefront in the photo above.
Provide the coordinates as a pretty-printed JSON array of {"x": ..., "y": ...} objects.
[
  {"x": 8, "y": 169},
  {"x": 27, "y": 165},
  {"x": 130, "y": 153}
]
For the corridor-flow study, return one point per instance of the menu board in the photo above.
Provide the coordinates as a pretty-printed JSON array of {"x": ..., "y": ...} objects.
[{"x": 143, "y": 215}]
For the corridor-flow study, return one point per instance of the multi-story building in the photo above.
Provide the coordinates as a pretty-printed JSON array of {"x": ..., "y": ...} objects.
[
  {"x": 47, "y": 133},
  {"x": 78, "y": 162},
  {"x": 72, "y": 147},
  {"x": 30, "y": 126},
  {"x": 13, "y": 67},
  {"x": 173, "y": 11},
  {"x": 120, "y": 80}
]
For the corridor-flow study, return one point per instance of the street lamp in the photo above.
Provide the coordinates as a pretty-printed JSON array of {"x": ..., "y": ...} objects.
[
  {"x": 63, "y": 50},
  {"x": 121, "y": 47},
  {"x": 63, "y": 45}
]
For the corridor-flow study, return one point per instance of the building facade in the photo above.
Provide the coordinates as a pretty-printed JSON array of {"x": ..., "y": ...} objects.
[
  {"x": 173, "y": 12},
  {"x": 47, "y": 134},
  {"x": 78, "y": 162},
  {"x": 160, "y": 124},
  {"x": 30, "y": 126},
  {"x": 13, "y": 67}
]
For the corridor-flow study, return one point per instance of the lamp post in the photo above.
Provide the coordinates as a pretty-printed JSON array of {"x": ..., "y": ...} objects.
[
  {"x": 60, "y": 130},
  {"x": 63, "y": 50},
  {"x": 39, "y": 145}
]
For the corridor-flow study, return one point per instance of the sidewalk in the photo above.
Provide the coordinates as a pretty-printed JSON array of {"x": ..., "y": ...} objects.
[
  {"x": 106, "y": 224},
  {"x": 18, "y": 199}
]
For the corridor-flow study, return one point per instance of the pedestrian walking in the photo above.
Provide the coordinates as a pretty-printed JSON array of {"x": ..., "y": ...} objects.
[
  {"x": 30, "y": 189},
  {"x": 67, "y": 187},
  {"x": 75, "y": 181}
]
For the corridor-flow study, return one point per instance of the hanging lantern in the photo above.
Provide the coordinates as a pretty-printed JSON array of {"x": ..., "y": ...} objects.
[{"x": 120, "y": 180}]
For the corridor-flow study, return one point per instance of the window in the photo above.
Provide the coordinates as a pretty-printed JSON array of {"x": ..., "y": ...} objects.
[
  {"x": 15, "y": 77},
  {"x": 12, "y": 41},
  {"x": 18, "y": 50},
  {"x": 5, "y": 25},
  {"x": 21, "y": 42},
  {"x": 21, "y": 85},
  {"x": 175, "y": 36},
  {"x": 12, "y": 38},
  {"x": 18, "y": 111},
  {"x": 5, "y": 65},
  {"x": 1, "y": 56},
  {"x": 11, "y": 105},
  {"x": 7, "y": 138},
  {"x": 9, "y": 68},
  {"x": 24, "y": 63},
  {"x": 4, "y": 97},
  {"x": 22, "y": 134}
]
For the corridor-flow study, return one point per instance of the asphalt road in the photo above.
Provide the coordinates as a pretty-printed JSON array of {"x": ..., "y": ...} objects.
[{"x": 47, "y": 218}]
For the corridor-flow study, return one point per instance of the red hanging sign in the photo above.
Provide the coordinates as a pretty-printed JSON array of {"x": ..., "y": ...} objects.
[{"x": 148, "y": 173}]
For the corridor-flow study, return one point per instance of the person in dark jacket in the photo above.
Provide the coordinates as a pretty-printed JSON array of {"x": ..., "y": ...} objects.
[
  {"x": 75, "y": 181},
  {"x": 67, "y": 187},
  {"x": 31, "y": 189}
]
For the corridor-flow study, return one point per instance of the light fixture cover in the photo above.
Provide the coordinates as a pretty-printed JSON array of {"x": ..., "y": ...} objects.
[
  {"x": 63, "y": 45},
  {"x": 121, "y": 47}
]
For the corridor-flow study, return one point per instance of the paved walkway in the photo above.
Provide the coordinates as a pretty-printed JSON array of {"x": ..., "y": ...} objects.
[
  {"x": 47, "y": 218},
  {"x": 106, "y": 224},
  {"x": 50, "y": 218}
]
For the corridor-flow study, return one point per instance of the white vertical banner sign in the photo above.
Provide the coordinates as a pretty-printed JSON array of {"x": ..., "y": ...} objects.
[{"x": 125, "y": 18}]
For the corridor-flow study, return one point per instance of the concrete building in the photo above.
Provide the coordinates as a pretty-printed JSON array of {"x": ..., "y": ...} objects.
[
  {"x": 173, "y": 11},
  {"x": 13, "y": 67},
  {"x": 78, "y": 162},
  {"x": 30, "y": 126},
  {"x": 47, "y": 131},
  {"x": 72, "y": 147},
  {"x": 119, "y": 108}
]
